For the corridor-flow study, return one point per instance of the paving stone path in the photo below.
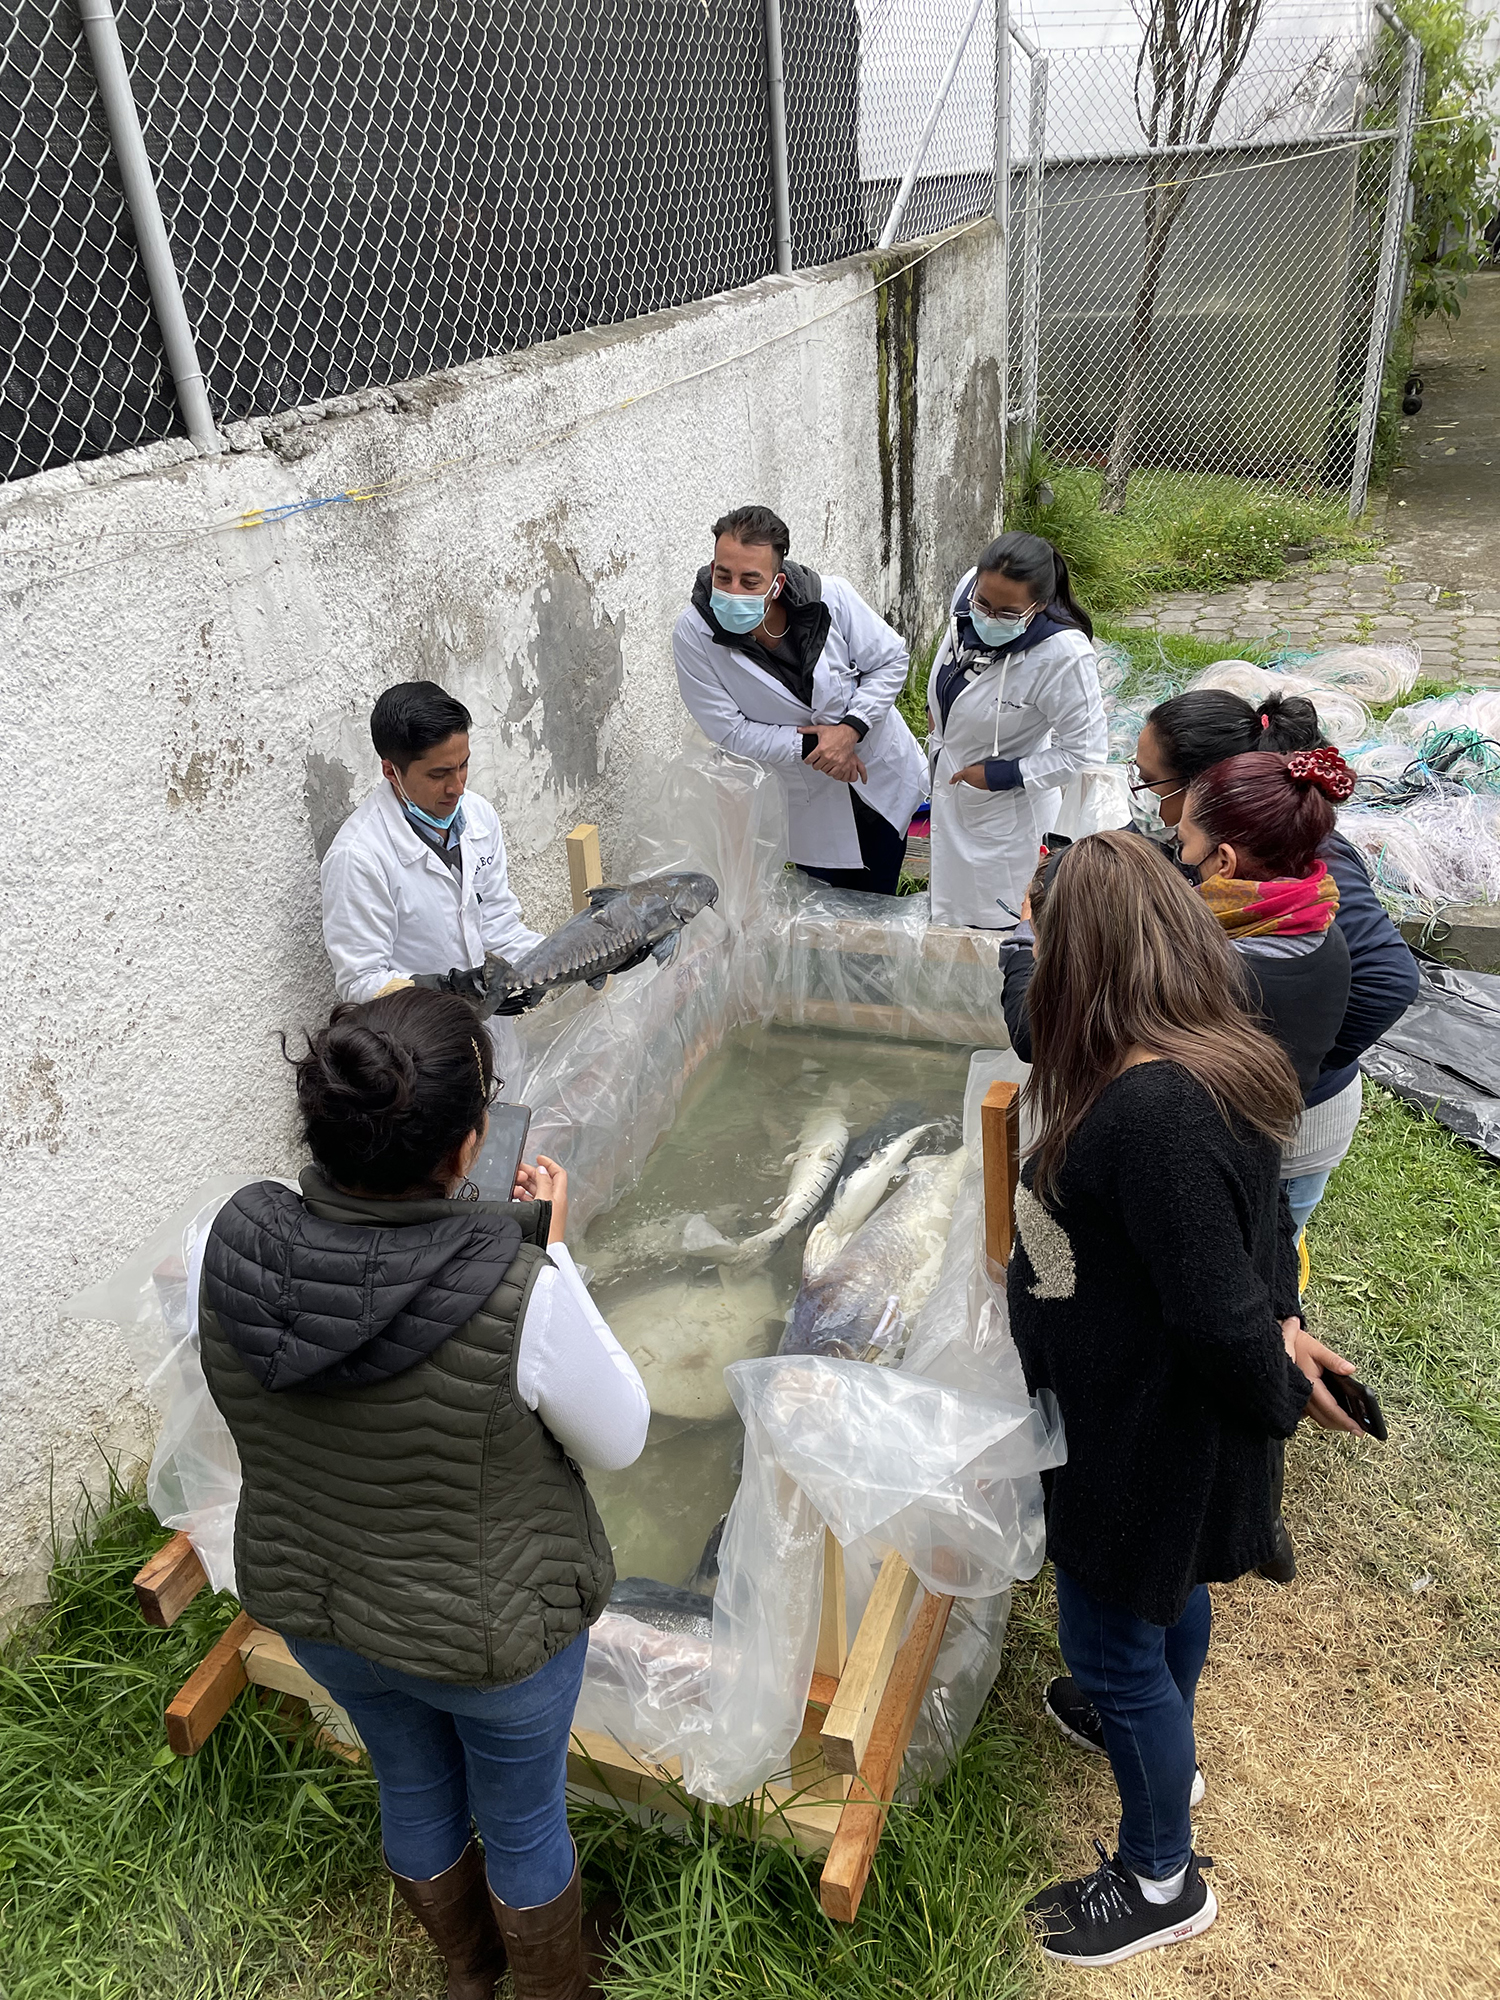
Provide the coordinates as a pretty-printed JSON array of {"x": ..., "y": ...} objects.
[{"x": 1457, "y": 631}]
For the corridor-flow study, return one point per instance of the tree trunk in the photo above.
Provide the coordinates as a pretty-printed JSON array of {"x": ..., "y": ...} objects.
[{"x": 1162, "y": 211}]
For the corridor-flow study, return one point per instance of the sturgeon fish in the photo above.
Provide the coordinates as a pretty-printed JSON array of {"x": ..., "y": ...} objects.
[
  {"x": 859, "y": 1305},
  {"x": 620, "y": 927},
  {"x": 884, "y": 1151},
  {"x": 821, "y": 1146},
  {"x": 682, "y": 1335},
  {"x": 665, "y": 1606}
]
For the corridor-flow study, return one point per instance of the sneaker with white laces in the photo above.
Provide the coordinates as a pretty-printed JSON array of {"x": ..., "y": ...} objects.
[
  {"x": 1078, "y": 1719},
  {"x": 1103, "y": 1918}
]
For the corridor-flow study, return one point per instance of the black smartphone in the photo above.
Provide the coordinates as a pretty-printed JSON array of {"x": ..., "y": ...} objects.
[
  {"x": 1356, "y": 1401},
  {"x": 494, "y": 1172}
]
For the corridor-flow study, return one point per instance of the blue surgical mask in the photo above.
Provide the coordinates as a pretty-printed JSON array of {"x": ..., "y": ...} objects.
[
  {"x": 739, "y": 614},
  {"x": 998, "y": 631},
  {"x": 426, "y": 818}
]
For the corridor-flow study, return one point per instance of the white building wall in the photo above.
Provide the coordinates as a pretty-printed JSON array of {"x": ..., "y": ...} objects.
[{"x": 185, "y": 706}]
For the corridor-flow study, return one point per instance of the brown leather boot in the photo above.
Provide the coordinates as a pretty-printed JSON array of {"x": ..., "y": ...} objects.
[
  {"x": 454, "y": 1910},
  {"x": 554, "y": 1953}
]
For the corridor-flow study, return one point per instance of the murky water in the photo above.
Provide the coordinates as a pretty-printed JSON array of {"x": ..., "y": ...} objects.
[{"x": 724, "y": 1159}]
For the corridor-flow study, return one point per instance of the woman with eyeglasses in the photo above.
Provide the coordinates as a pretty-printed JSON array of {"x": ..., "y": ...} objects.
[
  {"x": 1182, "y": 739},
  {"x": 411, "y": 1377},
  {"x": 1014, "y": 712}
]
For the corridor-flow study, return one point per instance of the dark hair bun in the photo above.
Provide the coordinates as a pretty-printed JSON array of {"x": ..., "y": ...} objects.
[
  {"x": 354, "y": 1071},
  {"x": 392, "y": 1087},
  {"x": 1289, "y": 722},
  {"x": 1325, "y": 769}
]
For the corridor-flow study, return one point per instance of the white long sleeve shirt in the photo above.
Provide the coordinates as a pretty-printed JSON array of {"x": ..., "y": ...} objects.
[
  {"x": 572, "y": 1371},
  {"x": 392, "y": 906}
]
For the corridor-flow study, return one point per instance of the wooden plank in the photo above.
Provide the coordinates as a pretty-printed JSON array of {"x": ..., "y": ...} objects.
[
  {"x": 167, "y": 1583},
  {"x": 585, "y": 869},
  {"x": 846, "y": 1734},
  {"x": 269, "y": 1663},
  {"x": 833, "y": 1618},
  {"x": 598, "y": 1764},
  {"x": 862, "y": 1821},
  {"x": 1000, "y": 1141},
  {"x": 896, "y": 1022},
  {"x": 940, "y": 945},
  {"x": 202, "y": 1702}
]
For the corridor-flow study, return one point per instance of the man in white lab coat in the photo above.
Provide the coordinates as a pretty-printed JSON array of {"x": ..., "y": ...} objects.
[
  {"x": 415, "y": 881},
  {"x": 795, "y": 670}
]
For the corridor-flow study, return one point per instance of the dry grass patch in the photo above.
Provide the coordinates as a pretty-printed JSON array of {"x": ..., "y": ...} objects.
[{"x": 1349, "y": 1728}]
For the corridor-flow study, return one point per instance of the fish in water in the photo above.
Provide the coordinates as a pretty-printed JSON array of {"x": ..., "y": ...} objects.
[
  {"x": 859, "y": 1304},
  {"x": 620, "y": 927},
  {"x": 686, "y": 1614},
  {"x": 682, "y": 1335},
  {"x": 882, "y": 1153},
  {"x": 821, "y": 1146},
  {"x": 705, "y": 1577}
]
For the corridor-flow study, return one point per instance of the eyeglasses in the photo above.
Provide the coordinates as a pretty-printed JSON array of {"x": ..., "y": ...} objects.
[{"x": 1138, "y": 784}]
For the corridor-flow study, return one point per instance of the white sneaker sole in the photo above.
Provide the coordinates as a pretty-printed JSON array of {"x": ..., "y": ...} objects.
[{"x": 1174, "y": 1934}]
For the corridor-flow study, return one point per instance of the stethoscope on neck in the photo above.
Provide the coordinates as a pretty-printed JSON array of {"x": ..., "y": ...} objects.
[{"x": 1005, "y": 660}]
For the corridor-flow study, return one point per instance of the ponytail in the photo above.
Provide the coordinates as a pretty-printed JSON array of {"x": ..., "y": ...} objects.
[{"x": 1030, "y": 560}]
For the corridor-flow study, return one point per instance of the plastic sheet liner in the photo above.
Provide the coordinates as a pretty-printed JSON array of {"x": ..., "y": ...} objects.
[
  {"x": 938, "y": 1458},
  {"x": 193, "y": 1484},
  {"x": 1444, "y": 1053}
]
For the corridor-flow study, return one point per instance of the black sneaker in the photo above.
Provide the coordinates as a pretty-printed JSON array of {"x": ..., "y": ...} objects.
[
  {"x": 1103, "y": 1917},
  {"x": 1078, "y": 1719},
  {"x": 1074, "y": 1714}
]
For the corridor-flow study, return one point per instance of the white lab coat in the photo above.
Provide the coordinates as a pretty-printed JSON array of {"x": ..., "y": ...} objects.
[
  {"x": 1042, "y": 706},
  {"x": 860, "y": 672},
  {"x": 392, "y": 907}
]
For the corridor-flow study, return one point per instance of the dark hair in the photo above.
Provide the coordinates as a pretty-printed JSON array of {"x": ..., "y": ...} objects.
[
  {"x": 1275, "y": 811},
  {"x": 391, "y": 1088},
  {"x": 1128, "y": 957},
  {"x": 1206, "y": 725},
  {"x": 756, "y": 526},
  {"x": 1028, "y": 559},
  {"x": 415, "y": 717}
]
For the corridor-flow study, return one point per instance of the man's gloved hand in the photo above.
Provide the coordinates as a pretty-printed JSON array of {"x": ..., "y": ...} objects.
[{"x": 467, "y": 981}]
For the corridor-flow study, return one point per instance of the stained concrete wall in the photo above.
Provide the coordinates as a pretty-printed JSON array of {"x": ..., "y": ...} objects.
[{"x": 186, "y": 699}]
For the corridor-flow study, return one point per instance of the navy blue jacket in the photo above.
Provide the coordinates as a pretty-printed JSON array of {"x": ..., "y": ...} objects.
[{"x": 1382, "y": 974}]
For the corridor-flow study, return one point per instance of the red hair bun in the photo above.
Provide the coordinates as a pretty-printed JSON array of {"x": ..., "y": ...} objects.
[{"x": 1324, "y": 768}]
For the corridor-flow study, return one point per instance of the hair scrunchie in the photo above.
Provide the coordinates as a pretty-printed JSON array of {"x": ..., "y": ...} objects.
[{"x": 1324, "y": 768}]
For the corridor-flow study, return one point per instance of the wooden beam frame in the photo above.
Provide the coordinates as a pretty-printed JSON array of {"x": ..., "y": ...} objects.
[
  {"x": 585, "y": 869},
  {"x": 862, "y": 1705},
  {"x": 167, "y": 1583}
]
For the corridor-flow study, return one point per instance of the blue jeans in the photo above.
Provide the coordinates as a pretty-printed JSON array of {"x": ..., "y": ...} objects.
[
  {"x": 1142, "y": 1679},
  {"x": 1303, "y": 1193},
  {"x": 446, "y": 1756}
]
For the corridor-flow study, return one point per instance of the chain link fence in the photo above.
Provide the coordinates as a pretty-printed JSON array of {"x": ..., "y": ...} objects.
[
  {"x": 359, "y": 192},
  {"x": 1220, "y": 302}
]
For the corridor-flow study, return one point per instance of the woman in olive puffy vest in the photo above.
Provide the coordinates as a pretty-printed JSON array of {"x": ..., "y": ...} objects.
[{"x": 410, "y": 1377}]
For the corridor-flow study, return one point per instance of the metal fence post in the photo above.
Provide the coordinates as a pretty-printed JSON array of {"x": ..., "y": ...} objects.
[
  {"x": 934, "y": 112},
  {"x": 129, "y": 145},
  {"x": 1031, "y": 254},
  {"x": 781, "y": 200},
  {"x": 1385, "y": 277}
]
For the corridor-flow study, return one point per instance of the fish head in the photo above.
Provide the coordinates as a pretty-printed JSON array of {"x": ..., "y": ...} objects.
[{"x": 688, "y": 891}]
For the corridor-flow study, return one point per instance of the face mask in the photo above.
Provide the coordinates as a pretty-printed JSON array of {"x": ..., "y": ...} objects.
[
  {"x": 1145, "y": 817},
  {"x": 739, "y": 614},
  {"x": 427, "y": 819},
  {"x": 998, "y": 631}
]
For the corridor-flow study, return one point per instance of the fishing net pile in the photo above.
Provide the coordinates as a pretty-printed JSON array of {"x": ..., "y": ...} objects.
[{"x": 1426, "y": 812}]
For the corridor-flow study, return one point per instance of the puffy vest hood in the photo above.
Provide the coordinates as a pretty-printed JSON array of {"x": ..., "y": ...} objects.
[{"x": 311, "y": 1298}]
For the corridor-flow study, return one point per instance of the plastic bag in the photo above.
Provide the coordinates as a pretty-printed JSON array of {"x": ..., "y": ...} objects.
[
  {"x": 1093, "y": 801},
  {"x": 1444, "y": 1053}
]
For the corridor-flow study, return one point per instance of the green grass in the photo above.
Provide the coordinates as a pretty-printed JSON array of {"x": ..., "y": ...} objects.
[
  {"x": 253, "y": 1869},
  {"x": 1406, "y": 1254},
  {"x": 1179, "y": 531}
]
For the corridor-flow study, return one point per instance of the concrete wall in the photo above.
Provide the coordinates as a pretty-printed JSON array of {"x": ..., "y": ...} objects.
[{"x": 185, "y": 705}]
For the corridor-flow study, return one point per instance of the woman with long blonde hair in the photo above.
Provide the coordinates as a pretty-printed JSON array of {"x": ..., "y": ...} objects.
[{"x": 1153, "y": 1290}]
